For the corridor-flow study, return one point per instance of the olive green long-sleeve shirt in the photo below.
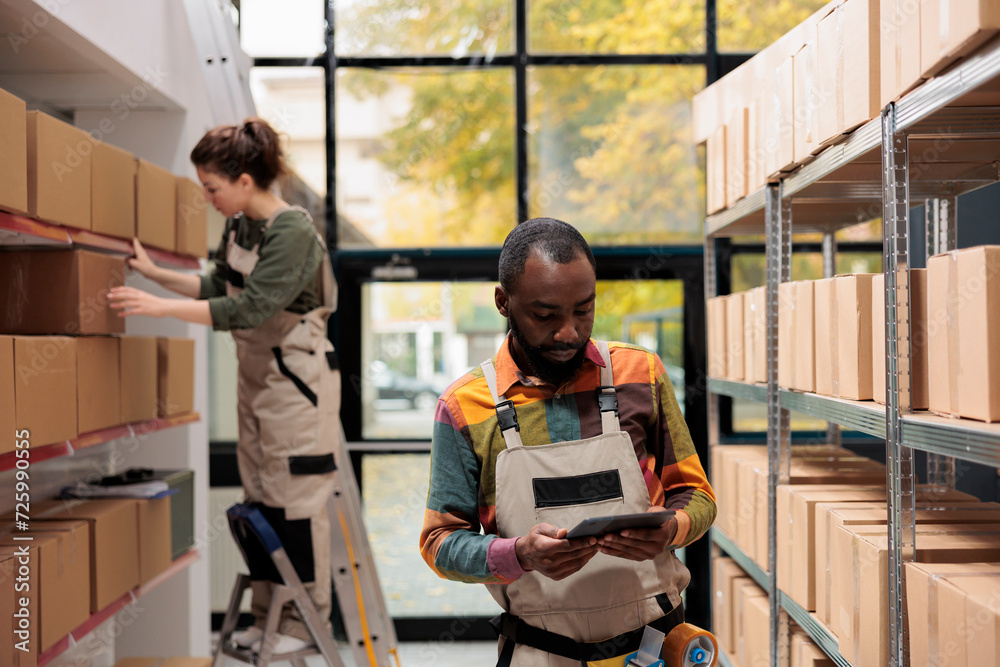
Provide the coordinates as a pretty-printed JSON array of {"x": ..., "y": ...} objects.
[{"x": 287, "y": 275}]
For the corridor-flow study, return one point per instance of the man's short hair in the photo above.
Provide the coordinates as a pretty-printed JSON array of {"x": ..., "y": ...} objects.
[{"x": 552, "y": 239}]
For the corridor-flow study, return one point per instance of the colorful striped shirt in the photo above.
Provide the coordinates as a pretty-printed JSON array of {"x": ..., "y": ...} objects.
[{"x": 460, "y": 517}]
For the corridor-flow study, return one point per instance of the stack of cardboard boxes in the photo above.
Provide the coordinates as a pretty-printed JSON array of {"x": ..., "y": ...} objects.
[
  {"x": 832, "y": 335},
  {"x": 741, "y": 612},
  {"x": 65, "y": 367},
  {"x": 57, "y": 173},
  {"x": 820, "y": 81},
  {"x": 85, "y": 555}
]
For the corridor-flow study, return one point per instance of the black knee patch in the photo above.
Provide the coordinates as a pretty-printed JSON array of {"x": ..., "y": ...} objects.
[{"x": 295, "y": 536}]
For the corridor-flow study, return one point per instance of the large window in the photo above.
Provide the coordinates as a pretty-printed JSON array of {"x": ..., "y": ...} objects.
[{"x": 421, "y": 132}]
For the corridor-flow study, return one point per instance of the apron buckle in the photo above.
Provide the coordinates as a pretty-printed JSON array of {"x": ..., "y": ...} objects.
[
  {"x": 607, "y": 399},
  {"x": 507, "y": 416}
]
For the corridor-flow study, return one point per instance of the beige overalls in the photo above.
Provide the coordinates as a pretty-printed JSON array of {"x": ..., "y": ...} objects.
[
  {"x": 289, "y": 405},
  {"x": 561, "y": 484}
]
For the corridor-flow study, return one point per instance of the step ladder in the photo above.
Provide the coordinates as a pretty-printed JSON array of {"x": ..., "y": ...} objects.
[
  {"x": 370, "y": 631},
  {"x": 253, "y": 533}
]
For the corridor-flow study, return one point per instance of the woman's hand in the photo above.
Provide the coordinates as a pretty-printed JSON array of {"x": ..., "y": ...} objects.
[
  {"x": 132, "y": 301},
  {"x": 141, "y": 262}
]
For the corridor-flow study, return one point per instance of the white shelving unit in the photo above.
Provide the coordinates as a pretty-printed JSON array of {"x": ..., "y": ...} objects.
[
  {"x": 148, "y": 77},
  {"x": 871, "y": 174}
]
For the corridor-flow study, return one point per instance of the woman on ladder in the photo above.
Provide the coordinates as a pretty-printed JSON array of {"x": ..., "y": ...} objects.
[{"x": 272, "y": 286}]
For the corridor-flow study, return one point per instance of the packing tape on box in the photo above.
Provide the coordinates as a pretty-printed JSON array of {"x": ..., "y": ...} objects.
[
  {"x": 954, "y": 348},
  {"x": 834, "y": 340},
  {"x": 933, "y": 618},
  {"x": 838, "y": 63},
  {"x": 944, "y": 24}
]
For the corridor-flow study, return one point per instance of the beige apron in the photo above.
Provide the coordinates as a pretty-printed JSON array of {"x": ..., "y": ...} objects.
[
  {"x": 561, "y": 484},
  {"x": 288, "y": 405}
]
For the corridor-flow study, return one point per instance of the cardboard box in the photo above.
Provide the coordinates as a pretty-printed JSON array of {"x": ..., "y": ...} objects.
[
  {"x": 735, "y": 337},
  {"x": 820, "y": 517},
  {"x": 963, "y": 312},
  {"x": 114, "y": 544},
  {"x": 796, "y": 340},
  {"x": 14, "y": 148},
  {"x": 715, "y": 312},
  {"x": 899, "y": 47},
  {"x": 731, "y": 504},
  {"x": 59, "y": 292},
  {"x": 756, "y": 644},
  {"x": 861, "y": 570},
  {"x": 98, "y": 383},
  {"x": 139, "y": 384},
  {"x": 862, "y": 80},
  {"x": 8, "y": 566},
  {"x": 950, "y": 30},
  {"x": 742, "y": 593},
  {"x": 756, "y": 149},
  {"x": 736, "y": 156},
  {"x": 804, "y": 653},
  {"x": 779, "y": 119},
  {"x": 949, "y": 624},
  {"x": 919, "y": 399},
  {"x": 755, "y": 334},
  {"x": 156, "y": 206},
  {"x": 979, "y": 332},
  {"x": 716, "y": 171},
  {"x": 192, "y": 219},
  {"x": 112, "y": 191},
  {"x": 8, "y": 422},
  {"x": 62, "y": 561},
  {"x": 851, "y": 328},
  {"x": 830, "y": 76},
  {"x": 45, "y": 378},
  {"x": 22, "y": 605},
  {"x": 726, "y": 576},
  {"x": 825, "y": 353},
  {"x": 155, "y": 554},
  {"x": 749, "y": 473},
  {"x": 59, "y": 170},
  {"x": 175, "y": 376},
  {"x": 806, "y": 112}
]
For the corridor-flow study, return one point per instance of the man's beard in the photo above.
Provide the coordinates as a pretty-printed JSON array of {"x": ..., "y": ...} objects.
[{"x": 552, "y": 372}]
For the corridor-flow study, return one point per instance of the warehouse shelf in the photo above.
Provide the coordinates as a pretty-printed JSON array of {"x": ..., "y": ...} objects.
[
  {"x": 181, "y": 563},
  {"x": 742, "y": 559},
  {"x": 817, "y": 631},
  {"x": 865, "y": 416},
  {"x": 734, "y": 389},
  {"x": 135, "y": 430},
  {"x": 841, "y": 187},
  {"x": 20, "y": 230},
  {"x": 961, "y": 438}
]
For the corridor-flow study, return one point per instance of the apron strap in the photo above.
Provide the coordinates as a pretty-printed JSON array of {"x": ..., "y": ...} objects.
[
  {"x": 506, "y": 414},
  {"x": 515, "y": 631},
  {"x": 607, "y": 397}
]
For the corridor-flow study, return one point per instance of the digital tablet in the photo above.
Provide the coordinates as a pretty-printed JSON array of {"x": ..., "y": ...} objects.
[{"x": 599, "y": 525}]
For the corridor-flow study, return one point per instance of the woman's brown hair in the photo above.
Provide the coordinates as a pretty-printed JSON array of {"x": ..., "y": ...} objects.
[{"x": 252, "y": 147}]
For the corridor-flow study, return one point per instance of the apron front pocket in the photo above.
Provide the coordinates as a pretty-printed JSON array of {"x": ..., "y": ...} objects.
[{"x": 584, "y": 489}]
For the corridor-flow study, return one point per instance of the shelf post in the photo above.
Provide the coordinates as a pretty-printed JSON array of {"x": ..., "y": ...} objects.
[
  {"x": 941, "y": 219},
  {"x": 899, "y": 459},
  {"x": 829, "y": 271},
  {"x": 778, "y": 219},
  {"x": 711, "y": 290}
]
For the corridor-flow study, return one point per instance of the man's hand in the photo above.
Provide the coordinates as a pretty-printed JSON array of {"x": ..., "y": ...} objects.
[
  {"x": 639, "y": 543},
  {"x": 546, "y": 550}
]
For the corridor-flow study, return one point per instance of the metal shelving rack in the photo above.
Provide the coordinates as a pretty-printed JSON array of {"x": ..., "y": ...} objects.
[{"x": 883, "y": 168}]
